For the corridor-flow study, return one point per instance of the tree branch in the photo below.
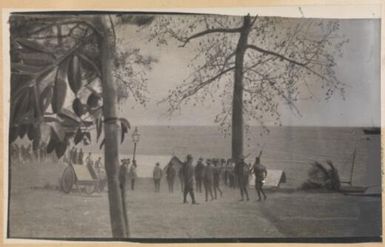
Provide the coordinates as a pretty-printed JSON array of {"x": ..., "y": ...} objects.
[
  {"x": 208, "y": 31},
  {"x": 282, "y": 57},
  {"x": 199, "y": 86},
  {"x": 256, "y": 48},
  {"x": 254, "y": 20}
]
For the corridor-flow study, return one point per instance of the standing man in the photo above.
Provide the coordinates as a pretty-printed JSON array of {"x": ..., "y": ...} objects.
[
  {"x": 157, "y": 176},
  {"x": 123, "y": 175},
  {"x": 230, "y": 170},
  {"x": 241, "y": 171},
  {"x": 260, "y": 173},
  {"x": 170, "y": 174},
  {"x": 199, "y": 175},
  {"x": 188, "y": 177},
  {"x": 89, "y": 159},
  {"x": 90, "y": 166},
  {"x": 132, "y": 174},
  {"x": 80, "y": 157},
  {"x": 102, "y": 174},
  {"x": 99, "y": 165},
  {"x": 208, "y": 178},
  {"x": 181, "y": 178},
  {"x": 216, "y": 178}
]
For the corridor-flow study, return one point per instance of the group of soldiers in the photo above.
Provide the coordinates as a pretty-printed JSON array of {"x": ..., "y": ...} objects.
[
  {"x": 25, "y": 154},
  {"x": 127, "y": 174},
  {"x": 210, "y": 175}
]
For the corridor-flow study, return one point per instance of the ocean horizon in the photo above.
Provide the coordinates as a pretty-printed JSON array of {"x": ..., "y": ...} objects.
[{"x": 292, "y": 149}]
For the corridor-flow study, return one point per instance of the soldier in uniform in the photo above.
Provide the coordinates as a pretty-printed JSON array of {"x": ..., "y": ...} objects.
[
  {"x": 188, "y": 177},
  {"x": 157, "y": 176},
  {"x": 132, "y": 174},
  {"x": 216, "y": 178},
  {"x": 260, "y": 173},
  {"x": 230, "y": 170},
  {"x": 208, "y": 179},
  {"x": 123, "y": 175},
  {"x": 170, "y": 175},
  {"x": 199, "y": 175},
  {"x": 241, "y": 171}
]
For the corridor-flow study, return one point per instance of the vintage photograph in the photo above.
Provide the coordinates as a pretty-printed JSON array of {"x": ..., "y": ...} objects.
[{"x": 178, "y": 126}]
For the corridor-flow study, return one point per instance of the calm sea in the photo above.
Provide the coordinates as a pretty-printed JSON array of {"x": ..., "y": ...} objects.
[{"x": 291, "y": 149}]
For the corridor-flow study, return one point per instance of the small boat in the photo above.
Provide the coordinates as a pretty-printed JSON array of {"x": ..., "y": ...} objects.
[{"x": 372, "y": 131}]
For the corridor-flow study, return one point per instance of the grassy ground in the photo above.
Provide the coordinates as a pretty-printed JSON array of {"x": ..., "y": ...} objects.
[{"x": 38, "y": 210}]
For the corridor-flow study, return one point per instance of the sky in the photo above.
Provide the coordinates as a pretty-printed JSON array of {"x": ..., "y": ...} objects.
[{"x": 359, "y": 69}]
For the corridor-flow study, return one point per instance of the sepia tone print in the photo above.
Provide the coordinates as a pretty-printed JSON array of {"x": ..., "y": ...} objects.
[{"x": 194, "y": 127}]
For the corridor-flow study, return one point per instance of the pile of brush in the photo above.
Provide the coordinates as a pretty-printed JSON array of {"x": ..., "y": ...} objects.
[{"x": 322, "y": 177}]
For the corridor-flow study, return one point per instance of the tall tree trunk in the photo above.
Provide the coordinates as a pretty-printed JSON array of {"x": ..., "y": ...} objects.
[
  {"x": 237, "y": 115},
  {"x": 111, "y": 130}
]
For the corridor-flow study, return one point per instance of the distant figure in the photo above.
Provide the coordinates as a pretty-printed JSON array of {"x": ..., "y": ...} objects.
[
  {"x": 157, "y": 176},
  {"x": 102, "y": 174},
  {"x": 208, "y": 179},
  {"x": 90, "y": 166},
  {"x": 99, "y": 165},
  {"x": 14, "y": 151},
  {"x": 22, "y": 154},
  {"x": 170, "y": 174},
  {"x": 29, "y": 152},
  {"x": 89, "y": 159},
  {"x": 80, "y": 157},
  {"x": 216, "y": 178},
  {"x": 181, "y": 178},
  {"x": 242, "y": 173},
  {"x": 123, "y": 175},
  {"x": 132, "y": 174},
  {"x": 73, "y": 155},
  {"x": 222, "y": 166},
  {"x": 188, "y": 179},
  {"x": 260, "y": 173},
  {"x": 199, "y": 175},
  {"x": 230, "y": 173}
]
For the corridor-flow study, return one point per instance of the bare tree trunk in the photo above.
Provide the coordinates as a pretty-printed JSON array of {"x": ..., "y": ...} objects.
[
  {"x": 237, "y": 115},
  {"x": 118, "y": 219}
]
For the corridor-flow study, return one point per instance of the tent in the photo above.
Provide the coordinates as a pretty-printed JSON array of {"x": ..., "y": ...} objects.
[{"x": 273, "y": 179}]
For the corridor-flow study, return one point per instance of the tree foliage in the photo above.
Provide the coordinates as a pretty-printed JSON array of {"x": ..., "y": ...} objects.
[
  {"x": 284, "y": 59},
  {"x": 56, "y": 77}
]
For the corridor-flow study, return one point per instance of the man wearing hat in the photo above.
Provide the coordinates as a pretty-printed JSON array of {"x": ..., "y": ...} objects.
[
  {"x": 260, "y": 173},
  {"x": 170, "y": 175},
  {"x": 188, "y": 177},
  {"x": 123, "y": 175},
  {"x": 199, "y": 175},
  {"x": 241, "y": 171},
  {"x": 208, "y": 178},
  {"x": 216, "y": 178},
  {"x": 157, "y": 176}
]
